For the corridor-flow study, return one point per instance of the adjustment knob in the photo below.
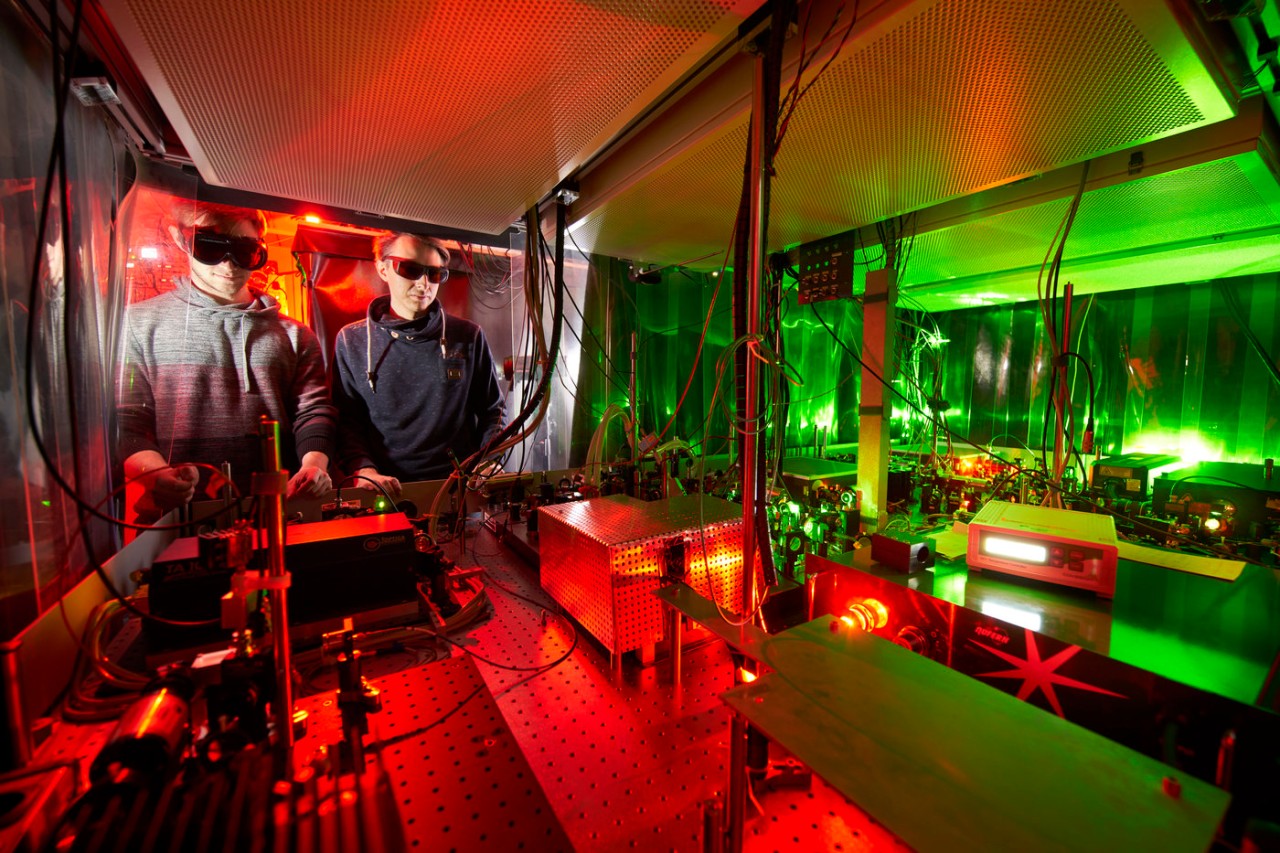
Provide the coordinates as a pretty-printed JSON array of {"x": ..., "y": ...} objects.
[{"x": 914, "y": 639}]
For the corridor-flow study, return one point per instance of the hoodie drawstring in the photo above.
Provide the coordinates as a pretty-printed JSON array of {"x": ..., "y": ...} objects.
[
  {"x": 260, "y": 305},
  {"x": 369, "y": 372},
  {"x": 246, "y": 377}
]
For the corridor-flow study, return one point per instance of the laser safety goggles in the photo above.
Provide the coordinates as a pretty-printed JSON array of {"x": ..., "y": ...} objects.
[
  {"x": 211, "y": 248},
  {"x": 413, "y": 271}
]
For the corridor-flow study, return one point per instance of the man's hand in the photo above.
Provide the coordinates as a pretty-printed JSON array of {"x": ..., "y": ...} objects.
[
  {"x": 312, "y": 479},
  {"x": 391, "y": 484},
  {"x": 309, "y": 482},
  {"x": 174, "y": 487},
  {"x": 164, "y": 487}
]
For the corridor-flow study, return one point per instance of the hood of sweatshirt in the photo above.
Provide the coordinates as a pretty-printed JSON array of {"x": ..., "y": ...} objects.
[
  {"x": 237, "y": 320},
  {"x": 422, "y": 329},
  {"x": 260, "y": 305}
]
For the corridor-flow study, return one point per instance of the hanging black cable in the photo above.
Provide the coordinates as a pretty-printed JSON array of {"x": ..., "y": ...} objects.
[
  {"x": 1058, "y": 348},
  {"x": 609, "y": 371},
  {"x": 62, "y": 70},
  {"x": 553, "y": 349}
]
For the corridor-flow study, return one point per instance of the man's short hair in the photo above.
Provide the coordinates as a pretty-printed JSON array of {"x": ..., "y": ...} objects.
[
  {"x": 222, "y": 218},
  {"x": 382, "y": 244}
]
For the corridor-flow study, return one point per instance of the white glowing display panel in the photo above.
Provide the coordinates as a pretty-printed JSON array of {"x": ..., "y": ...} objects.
[
  {"x": 999, "y": 546},
  {"x": 1058, "y": 546}
]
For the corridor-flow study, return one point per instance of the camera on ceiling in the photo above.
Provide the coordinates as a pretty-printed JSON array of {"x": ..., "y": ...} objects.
[{"x": 644, "y": 275}]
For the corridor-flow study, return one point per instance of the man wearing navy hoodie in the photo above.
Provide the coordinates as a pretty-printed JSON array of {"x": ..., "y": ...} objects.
[
  {"x": 203, "y": 363},
  {"x": 415, "y": 388}
]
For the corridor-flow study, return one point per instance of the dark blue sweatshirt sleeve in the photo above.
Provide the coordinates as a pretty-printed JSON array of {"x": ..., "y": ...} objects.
[
  {"x": 485, "y": 397},
  {"x": 354, "y": 422}
]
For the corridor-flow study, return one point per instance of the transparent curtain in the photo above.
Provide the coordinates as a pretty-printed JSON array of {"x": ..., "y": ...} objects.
[{"x": 61, "y": 304}]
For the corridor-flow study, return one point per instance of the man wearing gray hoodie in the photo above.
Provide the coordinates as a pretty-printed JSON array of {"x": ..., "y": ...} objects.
[{"x": 202, "y": 364}]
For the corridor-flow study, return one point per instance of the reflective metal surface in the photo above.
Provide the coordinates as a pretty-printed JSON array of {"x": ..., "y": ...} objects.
[
  {"x": 1171, "y": 669},
  {"x": 459, "y": 777},
  {"x": 628, "y": 761},
  {"x": 1209, "y": 634},
  {"x": 602, "y": 560},
  {"x": 73, "y": 316},
  {"x": 1172, "y": 372}
]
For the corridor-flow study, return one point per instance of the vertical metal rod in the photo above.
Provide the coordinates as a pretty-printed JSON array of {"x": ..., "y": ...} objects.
[
  {"x": 878, "y": 323},
  {"x": 737, "y": 806},
  {"x": 675, "y": 640},
  {"x": 1062, "y": 453},
  {"x": 609, "y": 348},
  {"x": 19, "y": 731},
  {"x": 1226, "y": 759},
  {"x": 271, "y": 517},
  {"x": 631, "y": 401},
  {"x": 185, "y": 517},
  {"x": 713, "y": 826},
  {"x": 755, "y": 271},
  {"x": 228, "y": 496}
]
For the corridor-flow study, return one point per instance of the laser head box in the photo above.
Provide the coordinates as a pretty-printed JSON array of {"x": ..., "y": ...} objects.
[{"x": 1058, "y": 546}]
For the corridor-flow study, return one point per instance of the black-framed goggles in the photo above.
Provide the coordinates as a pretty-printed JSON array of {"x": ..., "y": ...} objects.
[
  {"x": 211, "y": 248},
  {"x": 413, "y": 270}
]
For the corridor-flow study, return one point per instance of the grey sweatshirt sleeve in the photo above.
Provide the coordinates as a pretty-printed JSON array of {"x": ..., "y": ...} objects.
[
  {"x": 315, "y": 417},
  {"x": 135, "y": 404}
]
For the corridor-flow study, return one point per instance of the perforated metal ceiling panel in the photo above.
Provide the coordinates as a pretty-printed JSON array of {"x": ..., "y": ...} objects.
[
  {"x": 951, "y": 98},
  {"x": 455, "y": 113}
]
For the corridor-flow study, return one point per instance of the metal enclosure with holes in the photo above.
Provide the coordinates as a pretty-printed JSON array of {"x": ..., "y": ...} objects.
[{"x": 602, "y": 559}]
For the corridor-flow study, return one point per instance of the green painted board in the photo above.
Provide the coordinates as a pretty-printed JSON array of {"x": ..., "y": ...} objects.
[
  {"x": 747, "y": 639},
  {"x": 949, "y": 764}
]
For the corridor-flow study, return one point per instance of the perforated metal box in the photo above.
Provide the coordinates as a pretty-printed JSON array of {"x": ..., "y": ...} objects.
[{"x": 602, "y": 559}]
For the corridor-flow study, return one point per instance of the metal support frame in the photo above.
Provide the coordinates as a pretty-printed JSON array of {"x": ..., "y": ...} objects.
[
  {"x": 736, "y": 807},
  {"x": 1061, "y": 451},
  {"x": 878, "y": 321},
  {"x": 674, "y": 640},
  {"x": 269, "y": 486},
  {"x": 20, "y": 749},
  {"x": 755, "y": 275},
  {"x": 633, "y": 429}
]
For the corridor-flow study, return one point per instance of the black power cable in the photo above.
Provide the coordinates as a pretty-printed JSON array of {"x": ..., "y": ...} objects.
[
  {"x": 553, "y": 348},
  {"x": 350, "y": 477},
  {"x": 62, "y": 70},
  {"x": 610, "y": 370}
]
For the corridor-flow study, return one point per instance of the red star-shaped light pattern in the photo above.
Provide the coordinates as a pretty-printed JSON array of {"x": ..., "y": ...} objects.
[{"x": 1042, "y": 675}]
